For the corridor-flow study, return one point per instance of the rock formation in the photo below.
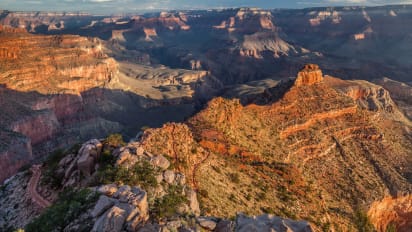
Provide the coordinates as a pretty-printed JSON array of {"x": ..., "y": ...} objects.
[
  {"x": 309, "y": 75},
  {"x": 392, "y": 213},
  {"x": 126, "y": 208}
]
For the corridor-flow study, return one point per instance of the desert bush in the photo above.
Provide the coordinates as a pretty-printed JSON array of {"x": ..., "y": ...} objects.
[
  {"x": 141, "y": 174},
  {"x": 70, "y": 205},
  {"x": 234, "y": 177},
  {"x": 114, "y": 140},
  {"x": 49, "y": 175},
  {"x": 362, "y": 222},
  {"x": 168, "y": 205}
]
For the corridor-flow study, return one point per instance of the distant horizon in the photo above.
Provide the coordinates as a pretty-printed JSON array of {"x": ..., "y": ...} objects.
[{"x": 110, "y": 7}]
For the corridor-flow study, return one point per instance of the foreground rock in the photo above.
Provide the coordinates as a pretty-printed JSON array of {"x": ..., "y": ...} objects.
[
  {"x": 73, "y": 166},
  {"x": 126, "y": 209},
  {"x": 267, "y": 222}
]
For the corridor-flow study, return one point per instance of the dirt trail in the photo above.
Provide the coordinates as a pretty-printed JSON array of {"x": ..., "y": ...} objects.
[{"x": 34, "y": 180}]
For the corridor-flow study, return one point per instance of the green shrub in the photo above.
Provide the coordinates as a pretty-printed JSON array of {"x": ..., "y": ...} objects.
[
  {"x": 142, "y": 174},
  {"x": 234, "y": 177},
  {"x": 70, "y": 205},
  {"x": 362, "y": 222},
  {"x": 106, "y": 158},
  {"x": 167, "y": 206},
  {"x": 49, "y": 176},
  {"x": 391, "y": 227},
  {"x": 114, "y": 140},
  {"x": 204, "y": 193}
]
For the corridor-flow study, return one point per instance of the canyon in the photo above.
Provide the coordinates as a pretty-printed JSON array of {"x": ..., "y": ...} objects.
[{"x": 300, "y": 116}]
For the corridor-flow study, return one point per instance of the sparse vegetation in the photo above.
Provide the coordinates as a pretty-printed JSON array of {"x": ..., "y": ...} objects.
[
  {"x": 49, "y": 176},
  {"x": 234, "y": 177},
  {"x": 362, "y": 222},
  {"x": 168, "y": 205},
  {"x": 114, "y": 140},
  {"x": 142, "y": 174},
  {"x": 391, "y": 227},
  {"x": 70, "y": 205}
]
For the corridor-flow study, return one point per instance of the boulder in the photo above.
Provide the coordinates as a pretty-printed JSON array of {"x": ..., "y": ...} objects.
[
  {"x": 160, "y": 161},
  {"x": 169, "y": 176},
  {"x": 224, "y": 226},
  {"x": 108, "y": 189},
  {"x": 193, "y": 203},
  {"x": 88, "y": 156},
  {"x": 111, "y": 221},
  {"x": 131, "y": 210},
  {"x": 140, "y": 201},
  {"x": 139, "y": 151},
  {"x": 159, "y": 178},
  {"x": 267, "y": 222},
  {"x": 150, "y": 228},
  {"x": 180, "y": 179},
  {"x": 122, "y": 190},
  {"x": 102, "y": 205},
  {"x": 126, "y": 159},
  {"x": 207, "y": 223},
  {"x": 86, "y": 164}
]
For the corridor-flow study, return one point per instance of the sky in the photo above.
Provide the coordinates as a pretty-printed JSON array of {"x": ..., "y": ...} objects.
[{"x": 125, "y": 6}]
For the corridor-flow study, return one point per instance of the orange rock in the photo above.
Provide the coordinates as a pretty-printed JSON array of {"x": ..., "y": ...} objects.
[
  {"x": 309, "y": 75},
  {"x": 396, "y": 212}
]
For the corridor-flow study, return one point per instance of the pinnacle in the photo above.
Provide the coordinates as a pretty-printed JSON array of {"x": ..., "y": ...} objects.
[{"x": 309, "y": 75}]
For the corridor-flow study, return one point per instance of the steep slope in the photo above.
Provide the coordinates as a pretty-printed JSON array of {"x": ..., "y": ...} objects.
[
  {"x": 58, "y": 90},
  {"x": 314, "y": 153},
  {"x": 40, "y": 87}
]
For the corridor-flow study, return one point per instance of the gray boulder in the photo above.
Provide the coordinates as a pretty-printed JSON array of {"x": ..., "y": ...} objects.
[
  {"x": 102, "y": 205},
  {"x": 169, "y": 176},
  {"x": 267, "y": 222},
  {"x": 207, "y": 223},
  {"x": 111, "y": 221},
  {"x": 88, "y": 156},
  {"x": 193, "y": 203},
  {"x": 160, "y": 161}
]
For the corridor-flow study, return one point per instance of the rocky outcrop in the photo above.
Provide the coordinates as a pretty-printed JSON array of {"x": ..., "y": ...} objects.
[
  {"x": 125, "y": 208},
  {"x": 309, "y": 75},
  {"x": 270, "y": 223},
  {"x": 369, "y": 96},
  {"x": 73, "y": 166},
  {"x": 88, "y": 156},
  {"x": 393, "y": 213},
  {"x": 400, "y": 92}
]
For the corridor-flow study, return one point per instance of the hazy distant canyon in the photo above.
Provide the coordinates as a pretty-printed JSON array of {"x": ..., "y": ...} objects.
[{"x": 68, "y": 77}]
